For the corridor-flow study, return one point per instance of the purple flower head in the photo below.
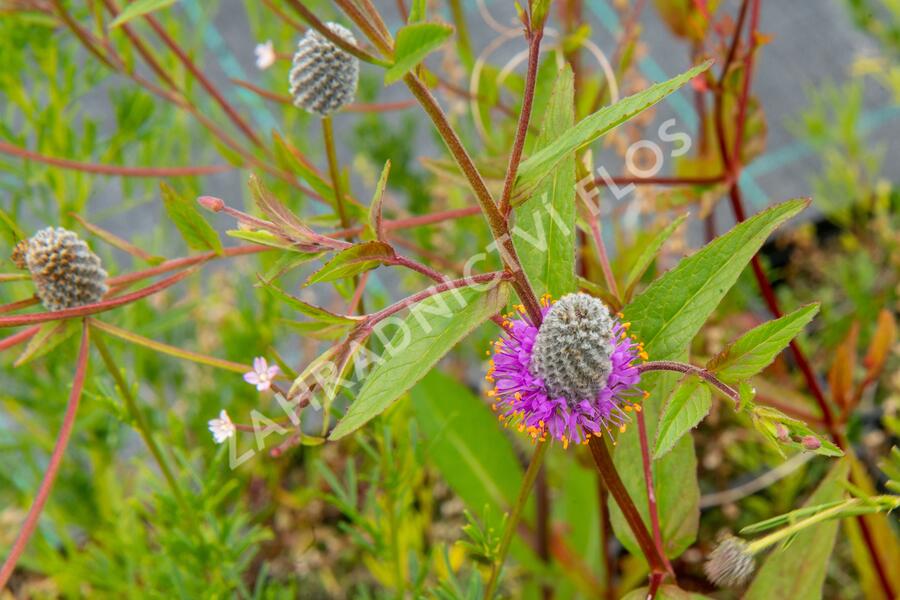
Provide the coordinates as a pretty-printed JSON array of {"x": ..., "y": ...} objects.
[{"x": 572, "y": 378}]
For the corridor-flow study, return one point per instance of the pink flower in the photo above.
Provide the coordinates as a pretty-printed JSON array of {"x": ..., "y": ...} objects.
[
  {"x": 265, "y": 55},
  {"x": 221, "y": 428},
  {"x": 262, "y": 374}
]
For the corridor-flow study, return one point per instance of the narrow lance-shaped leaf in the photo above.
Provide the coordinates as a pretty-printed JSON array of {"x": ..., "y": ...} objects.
[
  {"x": 376, "y": 219},
  {"x": 544, "y": 233},
  {"x": 756, "y": 349},
  {"x": 543, "y": 162},
  {"x": 798, "y": 572},
  {"x": 280, "y": 215},
  {"x": 414, "y": 43},
  {"x": 687, "y": 406},
  {"x": 431, "y": 330},
  {"x": 649, "y": 253},
  {"x": 666, "y": 317},
  {"x": 139, "y": 8},
  {"x": 197, "y": 233},
  {"x": 352, "y": 261},
  {"x": 669, "y": 313},
  {"x": 314, "y": 312},
  {"x": 882, "y": 341}
]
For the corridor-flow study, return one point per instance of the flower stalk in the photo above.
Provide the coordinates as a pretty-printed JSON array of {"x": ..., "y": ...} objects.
[
  {"x": 537, "y": 458},
  {"x": 59, "y": 449}
]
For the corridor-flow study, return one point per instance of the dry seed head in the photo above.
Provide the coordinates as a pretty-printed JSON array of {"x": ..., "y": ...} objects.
[
  {"x": 573, "y": 348},
  {"x": 65, "y": 272},
  {"x": 323, "y": 78},
  {"x": 731, "y": 563}
]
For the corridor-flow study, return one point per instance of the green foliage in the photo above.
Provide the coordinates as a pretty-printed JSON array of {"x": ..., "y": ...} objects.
[
  {"x": 688, "y": 404},
  {"x": 421, "y": 340},
  {"x": 197, "y": 233},
  {"x": 669, "y": 313},
  {"x": 546, "y": 222},
  {"x": 537, "y": 166},
  {"x": 415, "y": 502},
  {"x": 801, "y": 574},
  {"x": 353, "y": 261},
  {"x": 415, "y": 42},
  {"x": 139, "y": 8},
  {"x": 757, "y": 348}
]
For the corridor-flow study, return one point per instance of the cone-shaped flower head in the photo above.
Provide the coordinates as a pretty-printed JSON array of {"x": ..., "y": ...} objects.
[
  {"x": 65, "y": 272},
  {"x": 323, "y": 78},
  {"x": 731, "y": 563},
  {"x": 573, "y": 377}
]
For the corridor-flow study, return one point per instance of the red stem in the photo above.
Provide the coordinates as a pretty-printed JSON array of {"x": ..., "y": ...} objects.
[
  {"x": 102, "y": 169},
  {"x": 651, "y": 492},
  {"x": 627, "y": 180},
  {"x": 616, "y": 488},
  {"x": 732, "y": 162},
  {"x": 90, "y": 309},
  {"x": 204, "y": 82},
  {"x": 17, "y": 338},
  {"x": 62, "y": 441},
  {"x": 534, "y": 51}
]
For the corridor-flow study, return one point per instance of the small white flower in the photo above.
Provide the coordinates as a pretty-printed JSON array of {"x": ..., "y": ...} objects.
[
  {"x": 265, "y": 55},
  {"x": 262, "y": 374},
  {"x": 221, "y": 428}
]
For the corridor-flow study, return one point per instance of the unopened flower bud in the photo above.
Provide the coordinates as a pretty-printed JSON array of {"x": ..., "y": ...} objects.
[
  {"x": 324, "y": 77},
  {"x": 811, "y": 442},
  {"x": 782, "y": 433},
  {"x": 573, "y": 347},
  {"x": 731, "y": 563},
  {"x": 65, "y": 272}
]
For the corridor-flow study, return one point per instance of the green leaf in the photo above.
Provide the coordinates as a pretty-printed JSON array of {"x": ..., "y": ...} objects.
[
  {"x": 139, "y": 8},
  {"x": 314, "y": 312},
  {"x": 466, "y": 444},
  {"x": 267, "y": 238},
  {"x": 686, "y": 407},
  {"x": 288, "y": 223},
  {"x": 48, "y": 337},
  {"x": 543, "y": 162},
  {"x": 670, "y": 312},
  {"x": 414, "y": 43},
  {"x": 197, "y": 233},
  {"x": 649, "y": 253},
  {"x": 431, "y": 330},
  {"x": 375, "y": 207},
  {"x": 353, "y": 260},
  {"x": 767, "y": 421},
  {"x": 470, "y": 451},
  {"x": 798, "y": 572},
  {"x": 756, "y": 349},
  {"x": 544, "y": 233}
]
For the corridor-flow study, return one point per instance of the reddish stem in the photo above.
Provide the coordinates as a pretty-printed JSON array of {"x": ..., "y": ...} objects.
[
  {"x": 534, "y": 51},
  {"x": 17, "y": 338},
  {"x": 184, "y": 262},
  {"x": 732, "y": 162},
  {"x": 628, "y": 180},
  {"x": 13, "y": 306},
  {"x": 90, "y": 309},
  {"x": 616, "y": 488},
  {"x": 651, "y": 492},
  {"x": 102, "y": 169},
  {"x": 233, "y": 115},
  {"x": 62, "y": 441}
]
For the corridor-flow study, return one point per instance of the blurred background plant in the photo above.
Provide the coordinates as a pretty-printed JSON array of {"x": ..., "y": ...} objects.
[{"x": 103, "y": 102}]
